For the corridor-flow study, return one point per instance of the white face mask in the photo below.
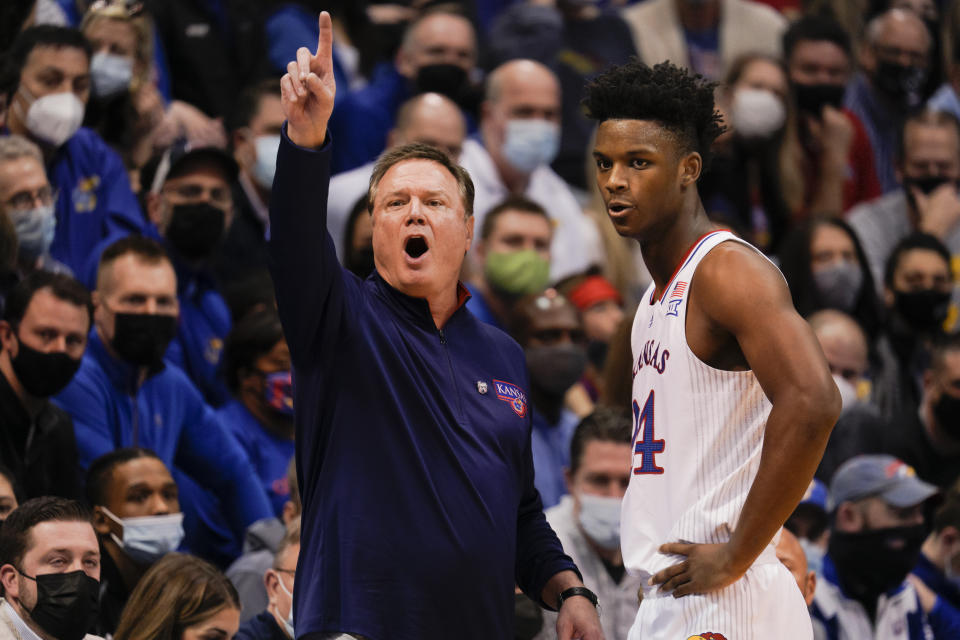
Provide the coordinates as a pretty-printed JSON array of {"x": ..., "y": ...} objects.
[
  {"x": 814, "y": 555},
  {"x": 110, "y": 74},
  {"x": 266, "y": 165},
  {"x": 757, "y": 113},
  {"x": 35, "y": 230},
  {"x": 288, "y": 621},
  {"x": 600, "y": 519},
  {"x": 530, "y": 143},
  {"x": 53, "y": 118},
  {"x": 146, "y": 539}
]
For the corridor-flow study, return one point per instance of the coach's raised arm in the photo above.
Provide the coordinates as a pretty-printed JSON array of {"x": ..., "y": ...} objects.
[{"x": 412, "y": 426}]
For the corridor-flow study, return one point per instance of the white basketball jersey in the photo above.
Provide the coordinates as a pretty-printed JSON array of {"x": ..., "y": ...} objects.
[{"x": 698, "y": 431}]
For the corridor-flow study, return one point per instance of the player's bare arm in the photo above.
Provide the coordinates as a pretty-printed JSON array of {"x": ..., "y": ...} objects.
[{"x": 741, "y": 317}]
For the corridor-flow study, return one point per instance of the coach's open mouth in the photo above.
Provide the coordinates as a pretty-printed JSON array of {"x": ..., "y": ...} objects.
[{"x": 416, "y": 246}]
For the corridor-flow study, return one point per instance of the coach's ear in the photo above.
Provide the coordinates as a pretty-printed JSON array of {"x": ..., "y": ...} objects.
[{"x": 690, "y": 167}]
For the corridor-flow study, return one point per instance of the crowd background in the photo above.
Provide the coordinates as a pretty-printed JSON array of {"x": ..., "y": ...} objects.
[{"x": 144, "y": 373}]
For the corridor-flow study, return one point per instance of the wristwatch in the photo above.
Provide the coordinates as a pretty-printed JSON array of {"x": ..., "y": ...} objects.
[{"x": 577, "y": 591}]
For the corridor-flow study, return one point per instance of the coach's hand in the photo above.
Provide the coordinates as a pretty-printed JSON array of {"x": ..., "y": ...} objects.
[
  {"x": 708, "y": 567},
  {"x": 307, "y": 90},
  {"x": 579, "y": 619}
]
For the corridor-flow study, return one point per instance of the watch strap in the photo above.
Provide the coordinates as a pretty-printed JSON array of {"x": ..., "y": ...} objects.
[{"x": 576, "y": 591}]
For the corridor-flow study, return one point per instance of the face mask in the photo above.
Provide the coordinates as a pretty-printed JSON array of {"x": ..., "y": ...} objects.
[
  {"x": 812, "y": 98},
  {"x": 900, "y": 82},
  {"x": 839, "y": 285},
  {"x": 517, "y": 273},
  {"x": 278, "y": 392},
  {"x": 146, "y": 539},
  {"x": 814, "y": 555},
  {"x": 43, "y": 374},
  {"x": 266, "y": 165},
  {"x": 527, "y": 618},
  {"x": 925, "y": 185},
  {"x": 947, "y": 413},
  {"x": 447, "y": 79},
  {"x": 848, "y": 393},
  {"x": 110, "y": 74},
  {"x": 530, "y": 143},
  {"x": 195, "y": 229},
  {"x": 53, "y": 118},
  {"x": 600, "y": 519},
  {"x": 288, "y": 621},
  {"x": 924, "y": 311},
  {"x": 873, "y": 562},
  {"x": 67, "y": 603},
  {"x": 35, "y": 230},
  {"x": 555, "y": 368},
  {"x": 360, "y": 262},
  {"x": 757, "y": 113},
  {"x": 143, "y": 338},
  {"x": 597, "y": 353}
]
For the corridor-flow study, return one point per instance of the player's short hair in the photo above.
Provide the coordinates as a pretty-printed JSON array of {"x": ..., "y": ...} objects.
[
  {"x": 420, "y": 151},
  {"x": 816, "y": 28},
  {"x": 511, "y": 203},
  {"x": 100, "y": 473},
  {"x": 678, "y": 100},
  {"x": 60, "y": 285},
  {"x": 913, "y": 242},
  {"x": 15, "y": 539},
  {"x": 146, "y": 249},
  {"x": 605, "y": 424}
]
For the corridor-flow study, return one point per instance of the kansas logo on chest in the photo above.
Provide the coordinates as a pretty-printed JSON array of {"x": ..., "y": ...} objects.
[{"x": 512, "y": 395}]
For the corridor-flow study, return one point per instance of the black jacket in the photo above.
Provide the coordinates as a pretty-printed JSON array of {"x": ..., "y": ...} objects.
[{"x": 42, "y": 455}]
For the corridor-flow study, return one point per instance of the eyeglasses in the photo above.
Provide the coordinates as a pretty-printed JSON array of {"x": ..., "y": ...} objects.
[
  {"x": 23, "y": 200},
  {"x": 194, "y": 192}
]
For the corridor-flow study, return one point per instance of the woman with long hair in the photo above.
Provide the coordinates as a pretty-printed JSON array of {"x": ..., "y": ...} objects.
[{"x": 181, "y": 597}]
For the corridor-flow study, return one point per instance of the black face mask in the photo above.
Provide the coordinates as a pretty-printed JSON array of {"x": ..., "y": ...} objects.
[
  {"x": 870, "y": 563},
  {"x": 556, "y": 368},
  {"x": 925, "y": 185},
  {"x": 900, "y": 82},
  {"x": 447, "y": 79},
  {"x": 43, "y": 374},
  {"x": 360, "y": 262},
  {"x": 527, "y": 618},
  {"x": 195, "y": 229},
  {"x": 947, "y": 413},
  {"x": 811, "y": 98},
  {"x": 924, "y": 311},
  {"x": 142, "y": 338},
  {"x": 597, "y": 353},
  {"x": 67, "y": 604}
]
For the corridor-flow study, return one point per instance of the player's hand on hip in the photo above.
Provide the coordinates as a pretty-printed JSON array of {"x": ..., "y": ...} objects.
[
  {"x": 578, "y": 618},
  {"x": 707, "y": 567},
  {"x": 307, "y": 90}
]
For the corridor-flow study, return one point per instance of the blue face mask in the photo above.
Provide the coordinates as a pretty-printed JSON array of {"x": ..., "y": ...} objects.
[
  {"x": 266, "y": 165},
  {"x": 814, "y": 555},
  {"x": 110, "y": 74},
  {"x": 530, "y": 143},
  {"x": 278, "y": 392},
  {"x": 35, "y": 230}
]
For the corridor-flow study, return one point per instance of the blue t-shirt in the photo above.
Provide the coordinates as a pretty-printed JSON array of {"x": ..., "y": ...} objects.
[{"x": 551, "y": 454}]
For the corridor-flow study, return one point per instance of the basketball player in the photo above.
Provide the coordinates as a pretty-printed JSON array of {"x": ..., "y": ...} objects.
[{"x": 733, "y": 402}]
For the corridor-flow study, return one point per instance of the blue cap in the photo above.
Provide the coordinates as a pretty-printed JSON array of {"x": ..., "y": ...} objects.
[
  {"x": 815, "y": 495},
  {"x": 883, "y": 476}
]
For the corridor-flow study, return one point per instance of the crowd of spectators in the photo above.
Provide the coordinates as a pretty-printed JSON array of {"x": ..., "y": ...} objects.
[{"x": 146, "y": 427}]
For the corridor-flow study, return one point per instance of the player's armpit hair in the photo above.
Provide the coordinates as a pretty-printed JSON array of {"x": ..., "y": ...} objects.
[{"x": 681, "y": 101}]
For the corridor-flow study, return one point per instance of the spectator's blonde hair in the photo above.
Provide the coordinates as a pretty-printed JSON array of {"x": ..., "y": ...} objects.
[{"x": 143, "y": 32}]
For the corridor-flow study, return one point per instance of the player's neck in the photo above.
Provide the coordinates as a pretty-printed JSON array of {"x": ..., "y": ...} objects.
[{"x": 662, "y": 254}]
